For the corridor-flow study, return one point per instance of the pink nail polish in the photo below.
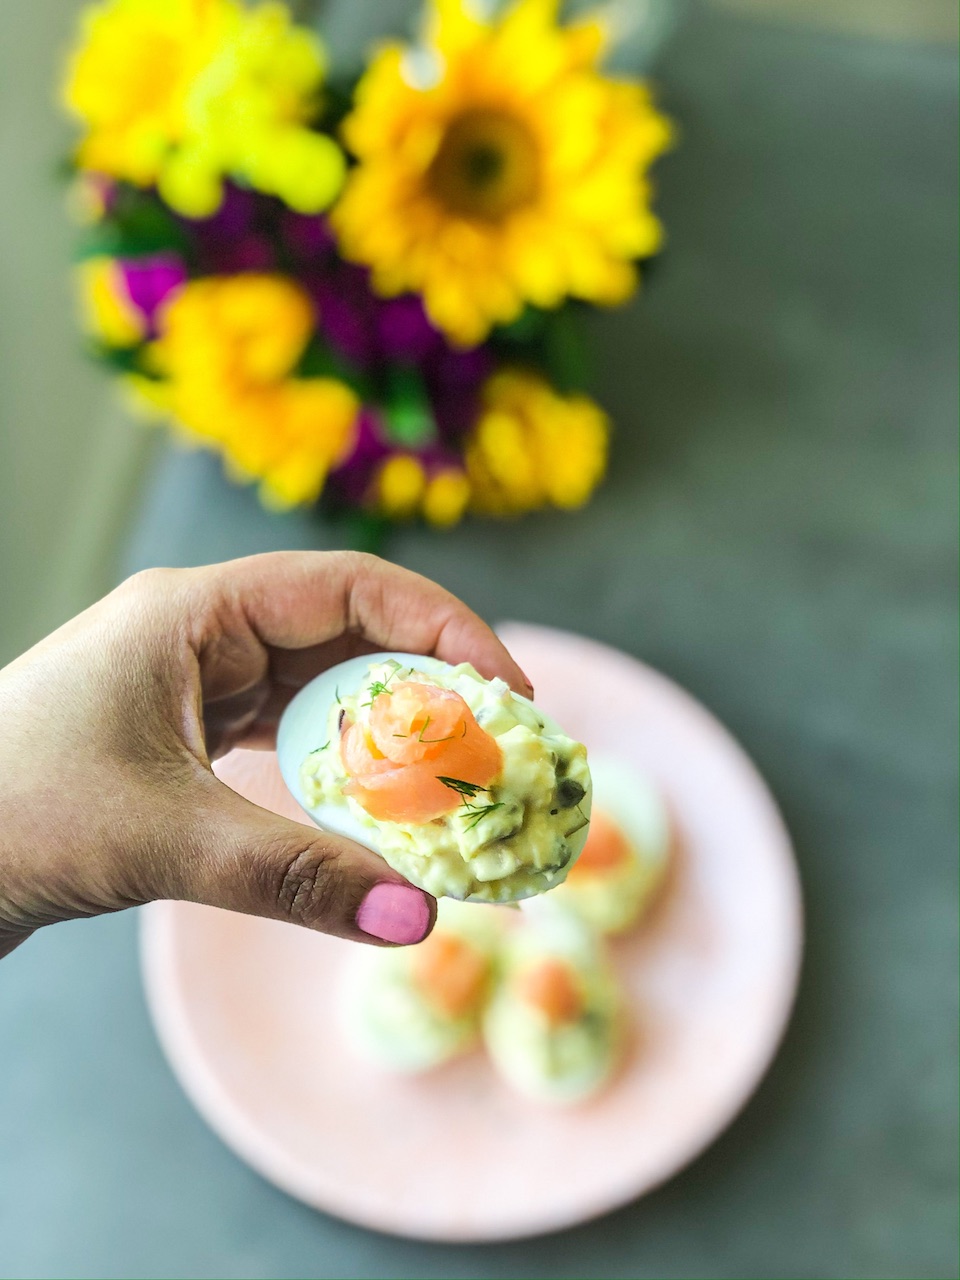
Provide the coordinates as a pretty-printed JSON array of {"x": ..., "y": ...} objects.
[{"x": 394, "y": 913}]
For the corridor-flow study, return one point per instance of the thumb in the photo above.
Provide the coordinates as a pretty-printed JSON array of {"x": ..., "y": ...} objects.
[{"x": 239, "y": 856}]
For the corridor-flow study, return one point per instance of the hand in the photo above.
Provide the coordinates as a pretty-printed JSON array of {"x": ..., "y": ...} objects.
[{"x": 107, "y": 798}]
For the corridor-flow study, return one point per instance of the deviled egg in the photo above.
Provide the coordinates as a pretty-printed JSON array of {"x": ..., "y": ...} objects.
[
  {"x": 464, "y": 787},
  {"x": 626, "y": 854},
  {"x": 412, "y": 1008},
  {"x": 552, "y": 1028}
]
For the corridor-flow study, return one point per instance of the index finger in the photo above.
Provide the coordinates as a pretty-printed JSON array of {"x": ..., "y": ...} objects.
[{"x": 295, "y": 600}]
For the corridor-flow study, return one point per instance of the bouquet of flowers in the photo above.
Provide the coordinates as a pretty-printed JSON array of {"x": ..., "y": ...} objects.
[{"x": 364, "y": 290}]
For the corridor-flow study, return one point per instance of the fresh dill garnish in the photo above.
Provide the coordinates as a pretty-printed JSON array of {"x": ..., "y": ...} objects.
[
  {"x": 449, "y": 738},
  {"x": 316, "y": 750},
  {"x": 468, "y": 790},
  {"x": 380, "y": 686},
  {"x": 475, "y": 813},
  {"x": 336, "y": 694},
  {"x": 375, "y": 691}
]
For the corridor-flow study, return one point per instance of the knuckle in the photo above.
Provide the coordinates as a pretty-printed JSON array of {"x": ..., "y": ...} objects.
[
  {"x": 306, "y": 890},
  {"x": 150, "y": 579},
  {"x": 357, "y": 560},
  {"x": 149, "y": 587}
]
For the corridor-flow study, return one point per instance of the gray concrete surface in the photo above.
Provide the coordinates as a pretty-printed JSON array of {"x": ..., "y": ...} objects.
[{"x": 778, "y": 534}]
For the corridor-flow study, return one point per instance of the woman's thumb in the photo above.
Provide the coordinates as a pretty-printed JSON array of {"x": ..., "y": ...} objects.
[{"x": 239, "y": 856}]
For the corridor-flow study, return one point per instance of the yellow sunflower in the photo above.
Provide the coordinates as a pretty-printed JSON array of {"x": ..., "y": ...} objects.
[{"x": 498, "y": 166}]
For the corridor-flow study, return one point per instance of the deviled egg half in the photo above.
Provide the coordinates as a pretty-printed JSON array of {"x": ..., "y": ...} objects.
[
  {"x": 553, "y": 1025},
  {"x": 413, "y": 1008},
  {"x": 464, "y": 787},
  {"x": 626, "y": 854}
]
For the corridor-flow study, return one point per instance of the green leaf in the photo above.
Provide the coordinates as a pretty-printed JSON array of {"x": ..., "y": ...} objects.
[
  {"x": 319, "y": 360},
  {"x": 527, "y": 327},
  {"x": 336, "y": 100},
  {"x": 131, "y": 231},
  {"x": 123, "y": 359},
  {"x": 407, "y": 412},
  {"x": 564, "y": 351},
  {"x": 364, "y": 531}
]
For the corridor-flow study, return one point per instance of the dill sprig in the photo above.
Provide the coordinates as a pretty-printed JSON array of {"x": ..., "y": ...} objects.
[
  {"x": 380, "y": 686},
  {"x": 420, "y": 738},
  {"x": 449, "y": 738},
  {"x": 317, "y": 750},
  {"x": 375, "y": 691},
  {"x": 476, "y": 813},
  {"x": 466, "y": 790}
]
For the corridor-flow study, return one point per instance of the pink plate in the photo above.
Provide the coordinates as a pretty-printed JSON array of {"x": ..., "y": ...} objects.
[{"x": 246, "y": 1008}]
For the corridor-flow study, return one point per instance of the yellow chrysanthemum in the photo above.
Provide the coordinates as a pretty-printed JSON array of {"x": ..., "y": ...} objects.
[
  {"x": 446, "y": 497},
  {"x": 106, "y": 311},
  {"x": 497, "y": 166},
  {"x": 399, "y": 485},
  {"x": 225, "y": 353},
  {"x": 533, "y": 448},
  {"x": 180, "y": 93},
  {"x": 402, "y": 488}
]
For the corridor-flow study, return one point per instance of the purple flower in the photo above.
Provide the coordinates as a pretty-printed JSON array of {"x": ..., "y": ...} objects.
[
  {"x": 235, "y": 216},
  {"x": 149, "y": 280},
  {"x": 352, "y": 479},
  {"x": 235, "y": 238},
  {"x": 403, "y": 330},
  {"x": 346, "y": 318},
  {"x": 455, "y": 380},
  {"x": 306, "y": 235},
  {"x": 250, "y": 252}
]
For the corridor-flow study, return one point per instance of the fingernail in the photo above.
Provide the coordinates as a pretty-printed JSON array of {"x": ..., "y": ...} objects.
[
  {"x": 394, "y": 913},
  {"x": 528, "y": 681}
]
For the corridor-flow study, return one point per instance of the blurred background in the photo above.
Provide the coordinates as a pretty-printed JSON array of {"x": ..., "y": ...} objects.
[
  {"x": 778, "y": 533},
  {"x": 71, "y": 468}
]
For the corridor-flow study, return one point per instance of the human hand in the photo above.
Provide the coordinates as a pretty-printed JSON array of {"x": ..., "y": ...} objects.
[{"x": 107, "y": 798}]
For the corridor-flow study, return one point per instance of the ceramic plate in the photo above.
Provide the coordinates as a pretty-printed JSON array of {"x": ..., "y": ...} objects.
[{"x": 246, "y": 1009}]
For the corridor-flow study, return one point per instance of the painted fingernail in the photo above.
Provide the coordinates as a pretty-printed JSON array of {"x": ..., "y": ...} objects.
[{"x": 394, "y": 913}]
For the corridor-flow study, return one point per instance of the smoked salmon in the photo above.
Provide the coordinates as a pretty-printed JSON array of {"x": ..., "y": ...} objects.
[
  {"x": 551, "y": 988},
  {"x": 607, "y": 849},
  {"x": 418, "y": 755},
  {"x": 451, "y": 973}
]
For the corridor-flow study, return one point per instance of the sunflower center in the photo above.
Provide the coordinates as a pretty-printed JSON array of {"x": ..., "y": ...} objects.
[{"x": 485, "y": 167}]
